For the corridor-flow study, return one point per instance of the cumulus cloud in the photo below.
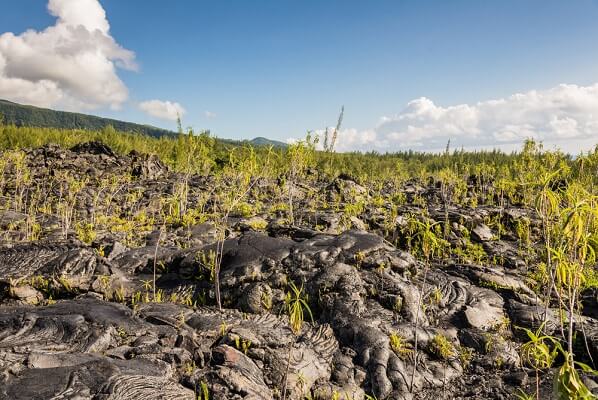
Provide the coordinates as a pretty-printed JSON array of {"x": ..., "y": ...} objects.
[
  {"x": 347, "y": 139},
  {"x": 72, "y": 64},
  {"x": 162, "y": 109},
  {"x": 565, "y": 116},
  {"x": 209, "y": 114}
]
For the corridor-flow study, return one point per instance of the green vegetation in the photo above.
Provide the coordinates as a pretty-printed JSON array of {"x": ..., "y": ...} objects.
[
  {"x": 541, "y": 352},
  {"x": 371, "y": 167},
  {"x": 442, "y": 347},
  {"x": 204, "y": 392},
  {"x": 297, "y": 306},
  {"x": 400, "y": 345}
]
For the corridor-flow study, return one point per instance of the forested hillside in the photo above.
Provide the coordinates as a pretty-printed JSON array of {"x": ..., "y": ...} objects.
[{"x": 25, "y": 115}]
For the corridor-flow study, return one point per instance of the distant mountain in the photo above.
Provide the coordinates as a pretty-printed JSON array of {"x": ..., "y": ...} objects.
[
  {"x": 262, "y": 141},
  {"x": 25, "y": 115}
]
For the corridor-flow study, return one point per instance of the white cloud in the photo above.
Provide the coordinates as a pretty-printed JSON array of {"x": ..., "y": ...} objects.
[
  {"x": 348, "y": 139},
  {"x": 71, "y": 64},
  {"x": 209, "y": 114},
  {"x": 564, "y": 116},
  {"x": 162, "y": 109}
]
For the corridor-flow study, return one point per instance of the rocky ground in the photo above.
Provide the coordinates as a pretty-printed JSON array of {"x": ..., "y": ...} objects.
[{"x": 84, "y": 320}]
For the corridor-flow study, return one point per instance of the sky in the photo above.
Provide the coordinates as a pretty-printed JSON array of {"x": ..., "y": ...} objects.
[{"x": 410, "y": 74}]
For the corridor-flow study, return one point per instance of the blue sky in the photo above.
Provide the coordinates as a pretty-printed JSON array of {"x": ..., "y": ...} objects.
[{"x": 411, "y": 74}]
